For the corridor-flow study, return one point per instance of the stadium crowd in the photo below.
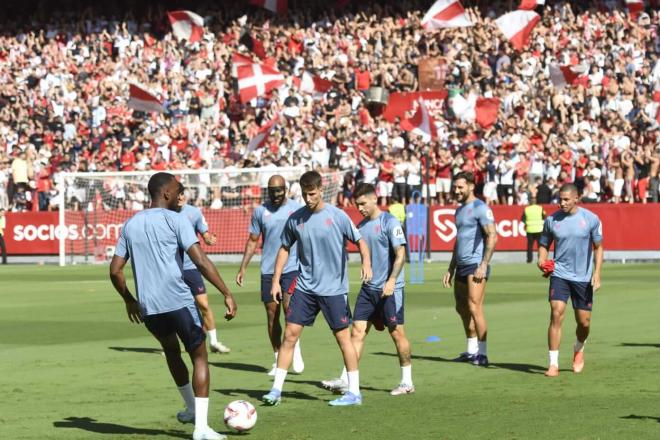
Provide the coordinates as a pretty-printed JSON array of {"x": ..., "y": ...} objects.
[{"x": 64, "y": 85}]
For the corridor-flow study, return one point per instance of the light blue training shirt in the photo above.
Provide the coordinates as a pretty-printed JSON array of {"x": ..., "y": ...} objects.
[
  {"x": 196, "y": 218},
  {"x": 384, "y": 235},
  {"x": 470, "y": 239},
  {"x": 269, "y": 220}
]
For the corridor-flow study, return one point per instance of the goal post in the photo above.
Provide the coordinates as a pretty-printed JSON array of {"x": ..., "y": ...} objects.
[{"x": 94, "y": 206}]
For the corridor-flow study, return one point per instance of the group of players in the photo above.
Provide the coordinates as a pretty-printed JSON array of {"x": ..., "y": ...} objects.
[{"x": 304, "y": 270}]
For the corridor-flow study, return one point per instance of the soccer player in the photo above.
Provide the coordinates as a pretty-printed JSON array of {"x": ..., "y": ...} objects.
[
  {"x": 154, "y": 241},
  {"x": 475, "y": 243},
  {"x": 319, "y": 232},
  {"x": 380, "y": 301},
  {"x": 577, "y": 234},
  {"x": 193, "y": 277},
  {"x": 269, "y": 220}
]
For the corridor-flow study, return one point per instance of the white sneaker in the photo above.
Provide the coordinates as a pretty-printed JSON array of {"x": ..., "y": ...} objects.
[
  {"x": 298, "y": 363},
  {"x": 186, "y": 416},
  {"x": 207, "y": 434},
  {"x": 219, "y": 347},
  {"x": 336, "y": 385},
  {"x": 402, "y": 389},
  {"x": 272, "y": 370}
]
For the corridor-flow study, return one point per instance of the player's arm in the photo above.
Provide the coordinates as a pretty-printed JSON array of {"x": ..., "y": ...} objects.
[
  {"x": 210, "y": 272},
  {"x": 250, "y": 248},
  {"x": 209, "y": 238},
  {"x": 544, "y": 244},
  {"x": 446, "y": 280},
  {"x": 599, "y": 253},
  {"x": 365, "y": 272},
  {"x": 280, "y": 262},
  {"x": 489, "y": 248},
  {"x": 119, "y": 282},
  {"x": 397, "y": 267}
]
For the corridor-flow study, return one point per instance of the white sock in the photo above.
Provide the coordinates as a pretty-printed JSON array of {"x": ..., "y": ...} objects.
[
  {"x": 201, "y": 413},
  {"x": 213, "y": 336},
  {"x": 579, "y": 346},
  {"x": 354, "y": 382},
  {"x": 483, "y": 348},
  {"x": 406, "y": 375},
  {"x": 280, "y": 376},
  {"x": 344, "y": 375},
  {"x": 472, "y": 345},
  {"x": 554, "y": 357},
  {"x": 276, "y": 353},
  {"x": 296, "y": 348},
  {"x": 188, "y": 396}
]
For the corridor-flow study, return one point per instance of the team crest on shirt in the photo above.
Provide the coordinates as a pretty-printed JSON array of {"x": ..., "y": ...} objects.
[
  {"x": 377, "y": 229},
  {"x": 583, "y": 224},
  {"x": 328, "y": 221},
  {"x": 469, "y": 211}
]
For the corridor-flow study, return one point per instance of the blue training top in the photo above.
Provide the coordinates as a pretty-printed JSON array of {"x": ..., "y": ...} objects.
[
  {"x": 194, "y": 214},
  {"x": 470, "y": 239},
  {"x": 269, "y": 220},
  {"x": 384, "y": 235}
]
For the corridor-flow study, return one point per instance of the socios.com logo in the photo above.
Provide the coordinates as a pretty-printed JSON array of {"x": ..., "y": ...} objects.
[
  {"x": 445, "y": 227},
  {"x": 71, "y": 232}
]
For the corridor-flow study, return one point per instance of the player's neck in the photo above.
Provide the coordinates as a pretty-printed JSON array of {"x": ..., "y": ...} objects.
[
  {"x": 374, "y": 215},
  {"x": 471, "y": 198},
  {"x": 319, "y": 207},
  {"x": 159, "y": 204}
]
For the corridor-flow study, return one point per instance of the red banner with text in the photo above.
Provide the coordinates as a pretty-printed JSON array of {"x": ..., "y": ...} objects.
[{"x": 625, "y": 227}]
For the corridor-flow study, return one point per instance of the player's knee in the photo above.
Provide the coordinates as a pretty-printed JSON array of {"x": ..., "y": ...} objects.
[{"x": 557, "y": 316}]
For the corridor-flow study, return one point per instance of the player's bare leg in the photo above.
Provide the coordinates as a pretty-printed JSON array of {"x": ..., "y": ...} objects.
[
  {"x": 274, "y": 330},
  {"x": 359, "y": 332},
  {"x": 402, "y": 344},
  {"x": 351, "y": 361},
  {"x": 557, "y": 311},
  {"x": 583, "y": 320},
  {"x": 463, "y": 310},
  {"x": 476, "y": 293},
  {"x": 202, "y": 302},
  {"x": 292, "y": 333},
  {"x": 298, "y": 365}
]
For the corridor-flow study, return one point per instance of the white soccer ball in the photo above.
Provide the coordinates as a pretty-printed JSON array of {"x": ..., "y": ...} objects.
[{"x": 240, "y": 415}]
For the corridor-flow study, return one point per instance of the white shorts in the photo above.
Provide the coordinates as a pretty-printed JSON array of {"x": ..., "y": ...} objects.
[
  {"x": 618, "y": 187},
  {"x": 384, "y": 189},
  {"x": 432, "y": 189},
  {"x": 443, "y": 185},
  {"x": 490, "y": 190}
]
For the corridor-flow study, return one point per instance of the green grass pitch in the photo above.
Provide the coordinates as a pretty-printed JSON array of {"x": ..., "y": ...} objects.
[{"x": 73, "y": 367}]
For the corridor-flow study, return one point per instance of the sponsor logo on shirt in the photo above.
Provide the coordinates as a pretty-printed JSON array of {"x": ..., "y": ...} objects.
[{"x": 398, "y": 232}]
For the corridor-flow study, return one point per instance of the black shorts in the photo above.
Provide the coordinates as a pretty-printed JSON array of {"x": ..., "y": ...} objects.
[
  {"x": 462, "y": 272},
  {"x": 185, "y": 322},
  {"x": 381, "y": 311},
  {"x": 193, "y": 278},
  {"x": 303, "y": 309},
  {"x": 287, "y": 283},
  {"x": 581, "y": 293}
]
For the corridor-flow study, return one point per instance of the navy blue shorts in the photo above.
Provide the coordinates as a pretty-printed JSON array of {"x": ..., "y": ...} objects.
[
  {"x": 303, "y": 309},
  {"x": 185, "y": 322},
  {"x": 287, "y": 283},
  {"x": 193, "y": 278},
  {"x": 382, "y": 312},
  {"x": 462, "y": 272},
  {"x": 581, "y": 293}
]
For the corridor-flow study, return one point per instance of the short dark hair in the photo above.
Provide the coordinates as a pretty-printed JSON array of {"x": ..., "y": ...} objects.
[
  {"x": 465, "y": 175},
  {"x": 311, "y": 180},
  {"x": 364, "y": 189},
  {"x": 157, "y": 182},
  {"x": 568, "y": 187}
]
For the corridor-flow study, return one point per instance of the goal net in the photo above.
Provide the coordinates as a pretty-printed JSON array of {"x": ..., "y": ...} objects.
[{"x": 97, "y": 204}]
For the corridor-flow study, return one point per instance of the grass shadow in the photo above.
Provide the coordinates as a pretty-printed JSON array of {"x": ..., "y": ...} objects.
[
  {"x": 416, "y": 356},
  {"x": 240, "y": 366},
  {"x": 636, "y": 344},
  {"x": 523, "y": 368},
  {"x": 92, "y": 425},
  {"x": 636, "y": 417},
  {"x": 317, "y": 384},
  {"x": 137, "y": 350},
  {"x": 257, "y": 394}
]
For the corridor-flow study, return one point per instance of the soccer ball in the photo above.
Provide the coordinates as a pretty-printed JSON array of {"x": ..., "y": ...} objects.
[{"x": 240, "y": 415}]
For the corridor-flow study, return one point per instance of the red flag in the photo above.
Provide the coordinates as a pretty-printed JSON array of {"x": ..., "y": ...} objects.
[
  {"x": 257, "y": 80},
  {"x": 486, "y": 111},
  {"x": 517, "y": 26},
  {"x": 311, "y": 84},
  {"x": 275, "y": 6},
  {"x": 446, "y": 14},
  {"x": 635, "y": 7},
  {"x": 186, "y": 25},
  {"x": 530, "y": 5},
  {"x": 142, "y": 100},
  {"x": 421, "y": 123},
  {"x": 562, "y": 76},
  {"x": 262, "y": 135}
]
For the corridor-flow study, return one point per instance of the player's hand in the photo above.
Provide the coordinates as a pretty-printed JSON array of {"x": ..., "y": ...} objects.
[
  {"x": 133, "y": 311},
  {"x": 232, "y": 308},
  {"x": 239, "y": 278},
  {"x": 210, "y": 239},
  {"x": 595, "y": 281},
  {"x": 479, "y": 274},
  {"x": 541, "y": 264},
  {"x": 446, "y": 280},
  {"x": 365, "y": 273},
  {"x": 276, "y": 292},
  {"x": 388, "y": 289}
]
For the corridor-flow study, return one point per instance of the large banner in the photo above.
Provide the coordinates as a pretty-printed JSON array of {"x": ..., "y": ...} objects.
[
  {"x": 401, "y": 102},
  {"x": 625, "y": 227}
]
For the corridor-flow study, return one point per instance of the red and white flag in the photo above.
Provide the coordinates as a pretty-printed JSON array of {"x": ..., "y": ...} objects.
[
  {"x": 261, "y": 137},
  {"x": 275, "y": 6},
  {"x": 445, "y": 14},
  {"x": 486, "y": 111},
  {"x": 530, "y": 5},
  {"x": 257, "y": 80},
  {"x": 635, "y": 7},
  {"x": 562, "y": 76},
  {"x": 142, "y": 100},
  {"x": 186, "y": 25},
  {"x": 238, "y": 60},
  {"x": 422, "y": 123},
  {"x": 312, "y": 84},
  {"x": 517, "y": 26}
]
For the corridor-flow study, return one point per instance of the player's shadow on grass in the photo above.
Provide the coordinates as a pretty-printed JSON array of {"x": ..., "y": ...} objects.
[
  {"x": 636, "y": 417},
  {"x": 257, "y": 394},
  {"x": 318, "y": 384},
  {"x": 92, "y": 425},
  {"x": 415, "y": 356},
  {"x": 240, "y": 366},
  {"x": 525, "y": 368},
  {"x": 138, "y": 350},
  {"x": 637, "y": 344}
]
